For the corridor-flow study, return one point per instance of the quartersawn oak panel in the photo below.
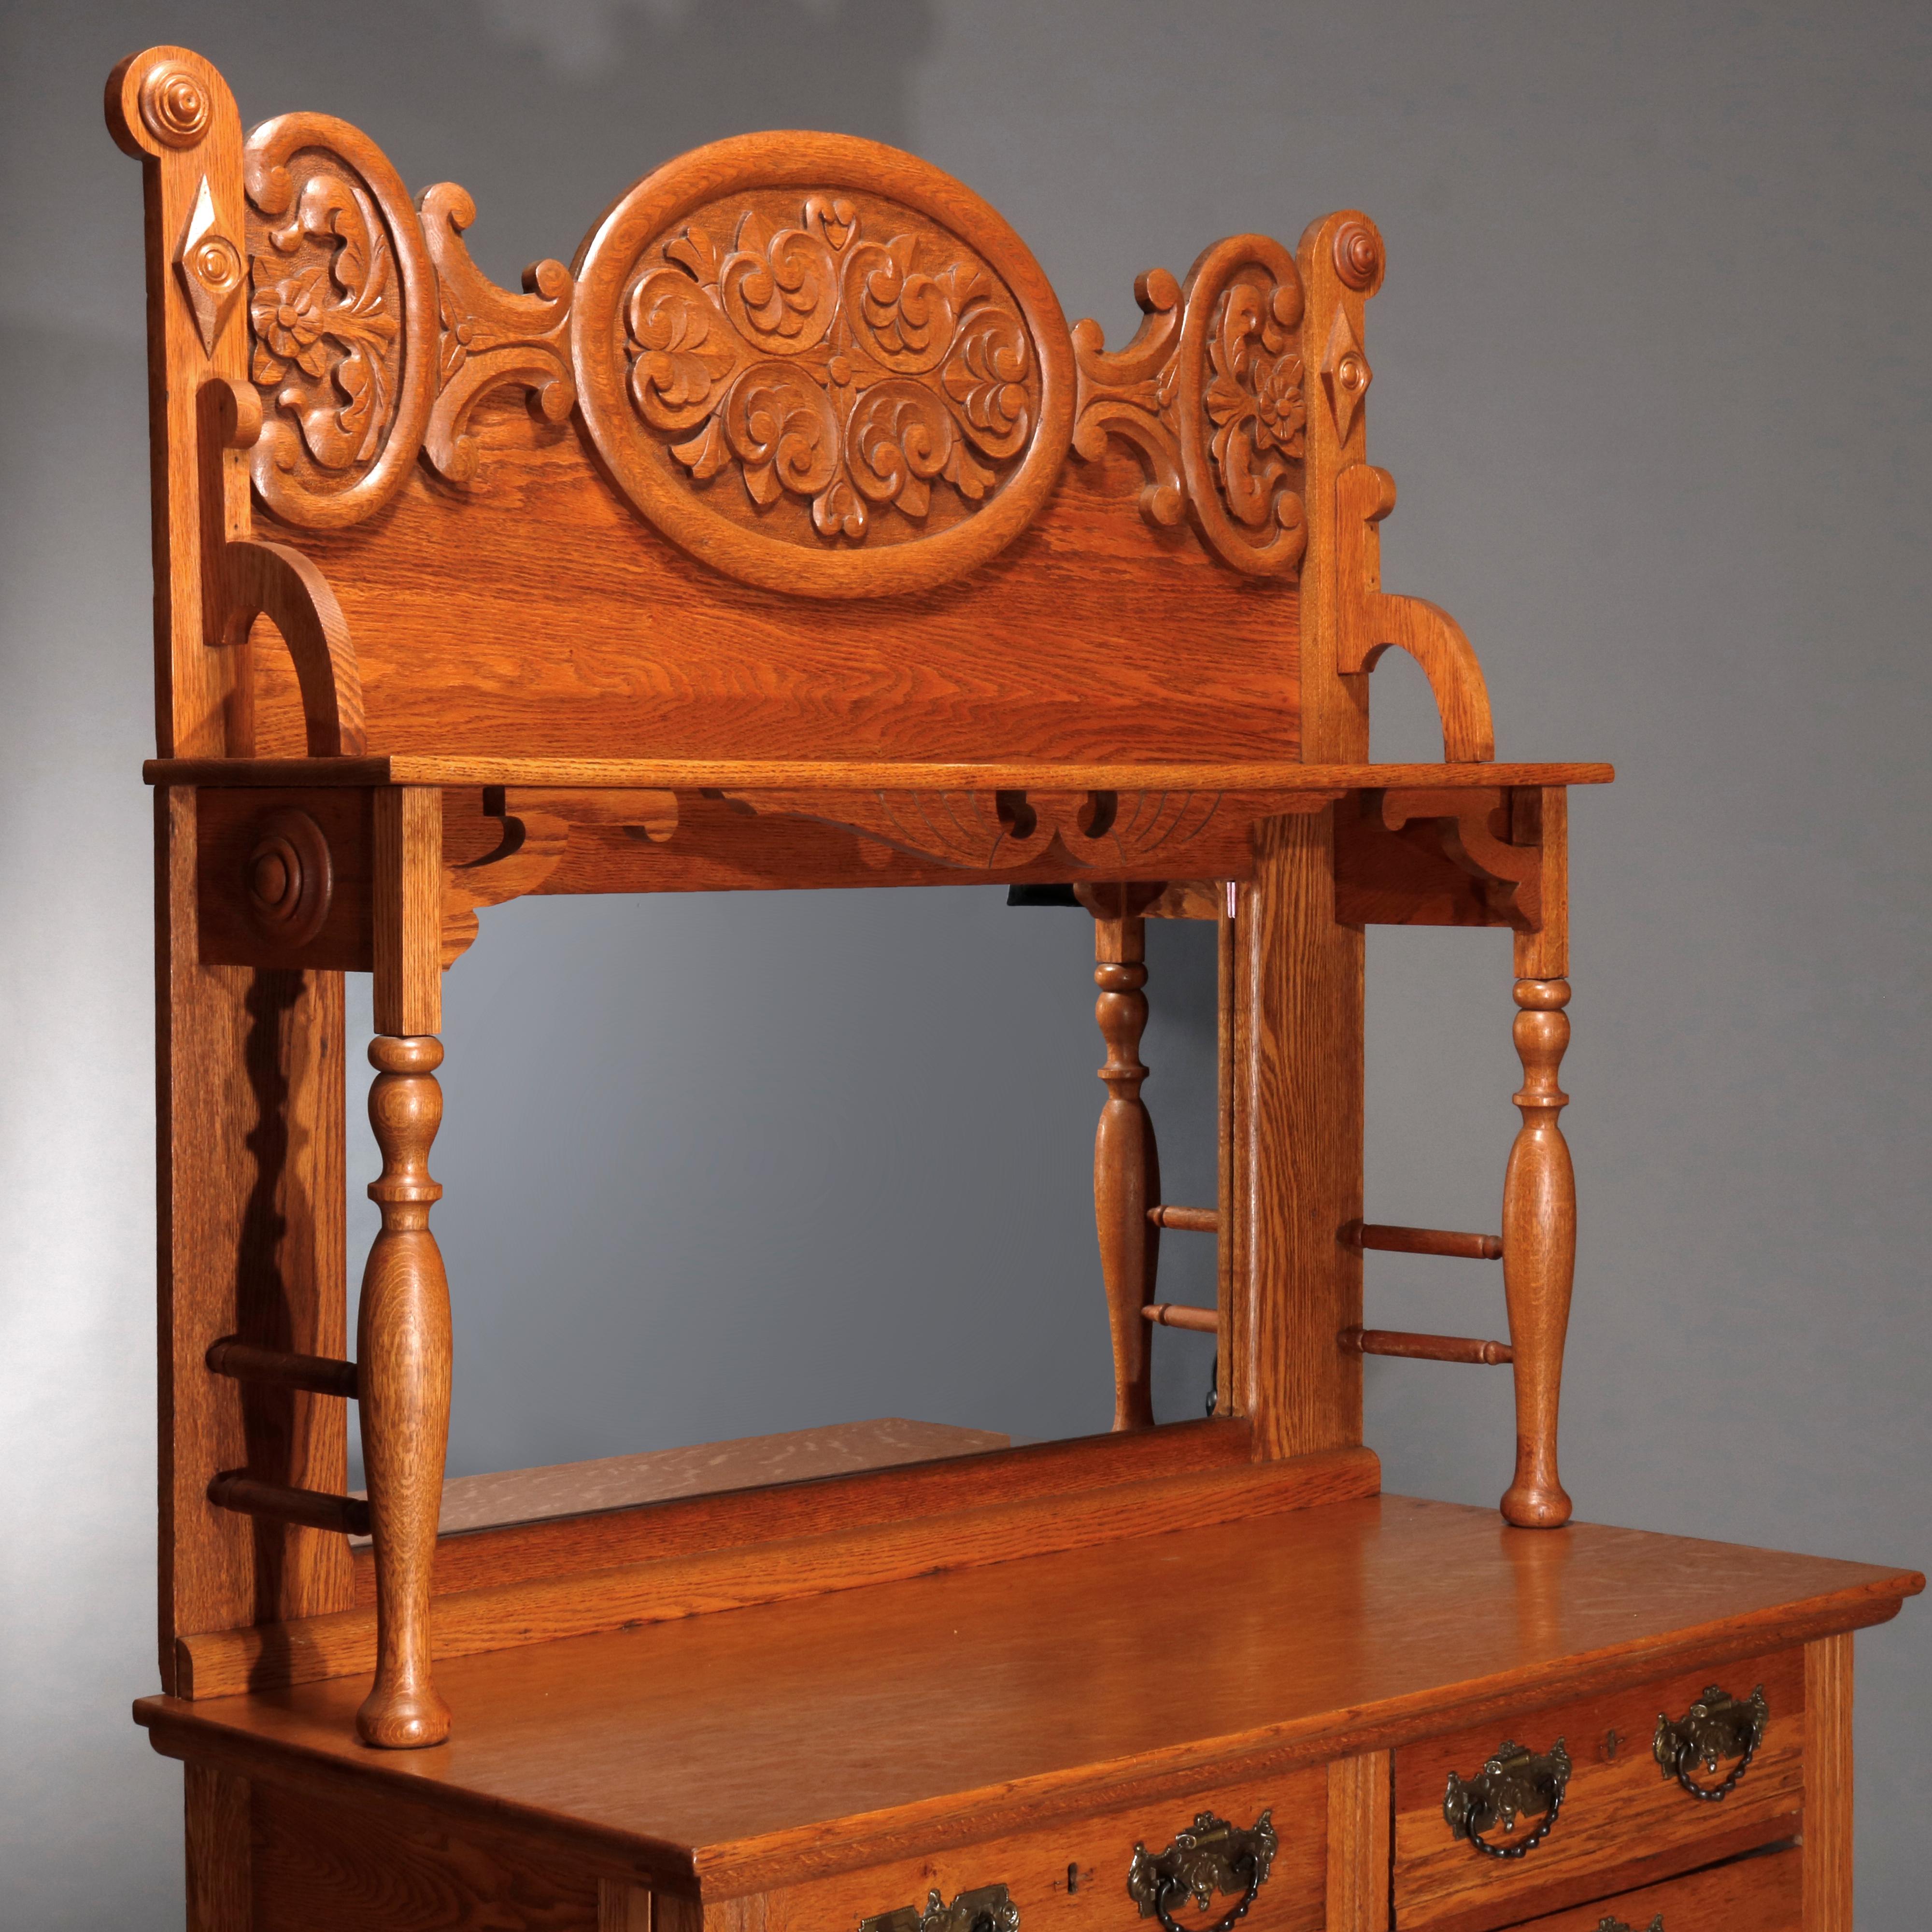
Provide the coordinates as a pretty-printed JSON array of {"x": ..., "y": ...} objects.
[
  {"x": 1762, "y": 1893},
  {"x": 543, "y": 615},
  {"x": 1622, "y": 1821},
  {"x": 324, "y": 1867},
  {"x": 819, "y": 1735},
  {"x": 1093, "y": 1852}
]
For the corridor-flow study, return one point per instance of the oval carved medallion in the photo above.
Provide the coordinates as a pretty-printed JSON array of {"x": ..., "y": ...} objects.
[{"x": 821, "y": 365}]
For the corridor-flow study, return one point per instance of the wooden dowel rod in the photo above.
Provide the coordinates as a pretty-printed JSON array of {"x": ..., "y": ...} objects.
[
  {"x": 1171, "y": 1315},
  {"x": 1195, "y": 1220},
  {"x": 348, "y": 1515},
  {"x": 1424, "y": 1348},
  {"x": 1426, "y": 1241},
  {"x": 318, "y": 1374}
]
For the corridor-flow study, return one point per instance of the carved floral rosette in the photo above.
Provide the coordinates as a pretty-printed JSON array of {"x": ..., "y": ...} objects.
[
  {"x": 343, "y": 320},
  {"x": 1213, "y": 391},
  {"x": 821, "y": 365}
]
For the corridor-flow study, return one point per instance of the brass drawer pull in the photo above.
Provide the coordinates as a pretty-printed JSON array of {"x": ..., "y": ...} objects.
[
  {"x": 1516, "y": 1783},
  {"x": 1716, "y": 1727},
  {"x": 1212, "y": 1856},
  {"x": 987, "y": 1908},
  {"x": 1610, "y": 1924}
]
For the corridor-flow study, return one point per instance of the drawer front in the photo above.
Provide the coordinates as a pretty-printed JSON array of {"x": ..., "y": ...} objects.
[
  {"x": 1763, "y": 1893},
  {"x": 1624, "y": 1821},
  {"x": 1073, "y": 1877}
]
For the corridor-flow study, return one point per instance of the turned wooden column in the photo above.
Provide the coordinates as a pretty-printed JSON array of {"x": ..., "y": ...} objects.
[
  {"x": 1539, "y": 1252},
  {"x": 1126, "y": 1168},
  {"x": 402, "y": 1351},
  {"x": 403, "y": 1334}
]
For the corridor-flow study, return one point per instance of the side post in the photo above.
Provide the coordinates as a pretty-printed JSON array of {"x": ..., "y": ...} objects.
[
  {"x": 1540, "y": 1185},
  {"x": 403, "y": 1336},
  {"x": 1127, "y": 1164}
]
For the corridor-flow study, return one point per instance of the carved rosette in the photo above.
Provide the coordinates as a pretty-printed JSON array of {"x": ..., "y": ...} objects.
[
  {"x": 816, "y": 387},
  {"x": 1213, "y": 392},
  {"x": 342, "y": 313}
]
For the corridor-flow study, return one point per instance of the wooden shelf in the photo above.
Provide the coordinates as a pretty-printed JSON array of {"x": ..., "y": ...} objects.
[
  {"x": 824, "y": 1734},
  {"x": 413, "y": 768}
]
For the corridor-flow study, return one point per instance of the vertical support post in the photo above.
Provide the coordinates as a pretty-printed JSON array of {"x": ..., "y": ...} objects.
[
  {"x": 1539, "y": 1252},
  {"x": 1361, "y": 1812},
  {"x": 403, "y": 1336},
  {"x": 1298, "y": 1156},
  {"x": 1828, "y": 1784},
  {"x": 1126, "y": 1165}
]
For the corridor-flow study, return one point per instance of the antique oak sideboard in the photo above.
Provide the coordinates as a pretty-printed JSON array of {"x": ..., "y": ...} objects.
[{"x": 791, "y": 538}]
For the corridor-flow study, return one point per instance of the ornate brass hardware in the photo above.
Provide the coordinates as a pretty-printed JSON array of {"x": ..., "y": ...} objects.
[
  {"x": 1211, "y": 1855},
  {"x": 987, "y": 1908},
  {"x": 1516, "y": 1783},
  {"x": 1716, "y": 1727},
  {"x": 1609, "y": 1925}
]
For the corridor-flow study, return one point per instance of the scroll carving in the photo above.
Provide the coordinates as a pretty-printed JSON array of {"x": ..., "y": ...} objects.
[
  {"x": 1474, "y": 825},
  {"x": 490, "y": 339},
  {"x": 824, "y": 388},
  {"x": 1213, "y": 392},
  {"x": 344, "y": 315},
  {"x": 995, "y": 831},
  {"x": 849, "y": 368}
]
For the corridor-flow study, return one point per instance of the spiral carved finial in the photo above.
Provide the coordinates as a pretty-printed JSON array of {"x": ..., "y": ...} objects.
[
  {"x": 1358, "y": 253},
  {"x": 175, "y": 105}
]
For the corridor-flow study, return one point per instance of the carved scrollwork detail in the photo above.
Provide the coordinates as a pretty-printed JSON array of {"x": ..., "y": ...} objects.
[
  {"x": 1213, "y": 391},
  {"x": 490, "y": 339},
  {"x": 997, "y": 831},
  {"x": 343, "y": 317},
  {"x": 1357, "y": 253},
  {"x": 815, "y": 361},
  {"x": 175, "y": 105},
  {"x": 825, "y": 387}
]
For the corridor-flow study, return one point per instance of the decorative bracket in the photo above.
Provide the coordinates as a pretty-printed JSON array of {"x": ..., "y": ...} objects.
[
  {"x": 1370, "y": 620},
  {"x": 1474, "y": 826},
  {"x": 535, "y": 822}
]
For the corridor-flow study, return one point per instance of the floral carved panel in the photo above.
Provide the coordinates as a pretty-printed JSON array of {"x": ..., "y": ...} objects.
[
  {"x": 1213, "y": 392},
  {"x": 822, "y": 366}
]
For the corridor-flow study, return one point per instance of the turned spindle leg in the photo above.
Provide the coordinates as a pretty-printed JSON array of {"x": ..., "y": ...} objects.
[
  {"x": 403, "y": 1347},
  {"x": 1126, "y": 1171},
  {"x": 1539, "y": 1252}
]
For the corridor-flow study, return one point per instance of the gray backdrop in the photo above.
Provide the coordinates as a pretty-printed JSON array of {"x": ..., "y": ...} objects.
[{"x": 1650, "y": 369}]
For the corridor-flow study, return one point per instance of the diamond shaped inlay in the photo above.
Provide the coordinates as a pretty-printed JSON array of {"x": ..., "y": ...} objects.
[
  {"x": 211, "y": 267},
  {"x": 1346, "y": 373}
]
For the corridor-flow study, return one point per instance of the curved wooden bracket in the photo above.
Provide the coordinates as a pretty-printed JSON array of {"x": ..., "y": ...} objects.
[
  {"x": 1472, "y": 825},
  {"x": 1370, "y": 621},
  {"x": 252, "y": 579}
]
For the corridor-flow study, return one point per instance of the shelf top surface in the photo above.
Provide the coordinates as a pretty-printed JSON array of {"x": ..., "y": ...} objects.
[
  {"x": 412, "y": 768},
  {"x": 817, "y": 1734}
]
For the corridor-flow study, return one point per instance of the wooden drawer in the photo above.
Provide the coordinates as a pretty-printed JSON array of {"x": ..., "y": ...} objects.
[
  {"x": 1763, "y": 1893},
  {"x": 1623, "y": 1822},
  {"x": 1073, "y": 1877}
]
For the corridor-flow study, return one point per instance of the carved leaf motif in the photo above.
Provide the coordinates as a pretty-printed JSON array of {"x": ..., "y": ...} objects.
[{"x": 853, "y": 371}]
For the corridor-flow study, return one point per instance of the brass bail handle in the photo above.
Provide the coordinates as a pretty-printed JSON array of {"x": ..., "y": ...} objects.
[
  {"x": 1211, "y": 1856},
  {"x": 1717, "y": 1726},
  {"x": 1516, "y": 1783}
]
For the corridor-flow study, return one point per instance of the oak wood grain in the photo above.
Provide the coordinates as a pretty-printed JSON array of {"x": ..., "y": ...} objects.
[
  {"x": 510, "y": 1614},
  {"x": 1829, "y": 1785},
  {"x": 1623, "y": 1822},
  {"x": 1359, "y": 1798},
  {"x": 1758, "y": 1893},
  {"x": 821, "y": 1736},
  {"x": 216, "y": 1807}
]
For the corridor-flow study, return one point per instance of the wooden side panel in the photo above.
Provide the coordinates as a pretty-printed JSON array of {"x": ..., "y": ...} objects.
[
  {"x": 217, "y": 1805},
  {"x": 320, "y": 1866},
  {"x": 1827, "y": 1785},
  {"x": 251, "y": 1239},
  {"x": 1359, "y": 1793},
  {"x": 1298, "y": 1131},
  {"x": 1072, "y": 1877},
  {"x": 1623, "y": 1821},
  {"x": 546, "y": 616}
]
